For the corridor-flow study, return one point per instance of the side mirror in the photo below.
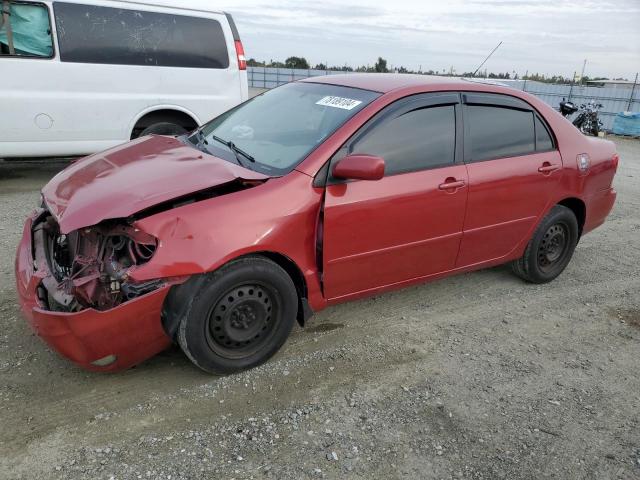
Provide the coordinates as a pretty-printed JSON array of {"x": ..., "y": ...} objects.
[{"x": 359, "y": 167}]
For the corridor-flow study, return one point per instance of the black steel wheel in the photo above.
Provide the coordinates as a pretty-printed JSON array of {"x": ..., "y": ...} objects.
[
  {"x": 550, "y": 249},
  {"x": 239, "y": 316},
  {"x": 553, "y": 247},
  {"x": 243, "y": 320}
]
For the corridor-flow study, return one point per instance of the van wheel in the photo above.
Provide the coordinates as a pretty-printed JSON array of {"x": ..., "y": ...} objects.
[
  {"x": 551, "y": 247},
  {"x": 240, "y": 316},
  {"x": 163, "y": 128}
]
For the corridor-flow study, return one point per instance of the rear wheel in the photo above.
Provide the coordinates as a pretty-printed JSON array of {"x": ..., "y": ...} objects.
[
  {"x": 163, "y": 128},
  {"x": 240, "y": 316},
  {"x": 551, "y": 247}
]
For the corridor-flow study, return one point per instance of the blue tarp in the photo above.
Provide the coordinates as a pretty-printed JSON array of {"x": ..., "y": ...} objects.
[
  {"x": 31, "y": 34},
  {"x": 627, "y": 123}
]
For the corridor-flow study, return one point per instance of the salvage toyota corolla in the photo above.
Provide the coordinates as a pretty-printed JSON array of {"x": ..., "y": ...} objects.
[{"x": 311, "y": 194}]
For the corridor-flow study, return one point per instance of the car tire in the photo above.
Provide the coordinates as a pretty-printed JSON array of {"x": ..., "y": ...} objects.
[
  {"x": 240, "y": 316},
  {"x": 163, "y": 128},
  {"x": 550, "y": 249}
]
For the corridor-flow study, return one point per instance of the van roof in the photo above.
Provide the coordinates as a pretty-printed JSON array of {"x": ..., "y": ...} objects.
[{"x": 198, "y": 5}]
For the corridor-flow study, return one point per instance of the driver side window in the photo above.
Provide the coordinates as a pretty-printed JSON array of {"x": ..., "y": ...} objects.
[
  {"x": 25, "y": 30},
  {"x": 416, "y": 140}
]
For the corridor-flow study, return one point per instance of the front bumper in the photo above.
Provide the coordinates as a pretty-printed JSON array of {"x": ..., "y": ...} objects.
[{"x": 110, "y": 340}]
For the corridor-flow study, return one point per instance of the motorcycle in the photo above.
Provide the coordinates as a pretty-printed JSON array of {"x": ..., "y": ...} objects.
[{"x": 587, "y": 120}]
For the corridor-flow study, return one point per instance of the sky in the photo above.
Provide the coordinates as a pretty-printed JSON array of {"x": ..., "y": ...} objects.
[{"x": 540, "y": 36}]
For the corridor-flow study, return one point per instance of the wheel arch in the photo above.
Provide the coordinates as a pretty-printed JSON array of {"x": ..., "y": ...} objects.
[
  {"x": 180, "y": 296},
  {"x": 579, "y": 209},
  {"x": 158, "y": 113}
]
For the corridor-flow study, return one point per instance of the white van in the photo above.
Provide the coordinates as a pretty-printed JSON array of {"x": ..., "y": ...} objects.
[{"x": 81, "y": 76}]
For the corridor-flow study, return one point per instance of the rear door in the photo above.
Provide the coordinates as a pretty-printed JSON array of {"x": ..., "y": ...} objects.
[
  {"x": 407, "y": 225},
  {"x": 514, "y": 167},
  {"x": 243, "y": 80}
]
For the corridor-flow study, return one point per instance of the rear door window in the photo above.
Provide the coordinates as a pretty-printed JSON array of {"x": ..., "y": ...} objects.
[
  {"x": 416, "y": 140},
  {"x": 543, "y": 138},
  {"x": 92, "y": 34},
  {"x": 497, "y": 132},
  {"x": 26, "y": 31}
]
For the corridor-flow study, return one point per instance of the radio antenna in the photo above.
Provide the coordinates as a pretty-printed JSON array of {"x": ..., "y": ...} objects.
[{"x": 485, "y": 60}]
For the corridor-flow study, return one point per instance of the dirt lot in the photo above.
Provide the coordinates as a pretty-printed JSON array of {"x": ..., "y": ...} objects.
[{"x": 479, "y": 376}]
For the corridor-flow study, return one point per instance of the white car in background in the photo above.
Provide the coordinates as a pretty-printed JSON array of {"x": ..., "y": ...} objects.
[{"x": 82, "y": 77}]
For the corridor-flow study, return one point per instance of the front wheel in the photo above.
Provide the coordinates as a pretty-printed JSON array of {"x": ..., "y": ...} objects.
[
  {"x": 551, "y": 247},
  {"x": 240, "y": 316}
]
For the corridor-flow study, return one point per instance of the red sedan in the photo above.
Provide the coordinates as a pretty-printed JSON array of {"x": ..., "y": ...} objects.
[{"x": 312, "y": 194}]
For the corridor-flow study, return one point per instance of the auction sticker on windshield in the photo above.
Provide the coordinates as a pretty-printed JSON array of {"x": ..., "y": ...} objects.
[{"x": 339, "y": 102}]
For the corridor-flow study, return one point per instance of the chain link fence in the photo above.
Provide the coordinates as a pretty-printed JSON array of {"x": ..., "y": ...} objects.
[{"x": 615, "y": 99}]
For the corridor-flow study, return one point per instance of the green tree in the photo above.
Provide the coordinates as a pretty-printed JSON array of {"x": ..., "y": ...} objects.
[
  {"x": 276, "y": 64},
  {"x": 381, "y": 66},
  {"x": 296, "y": 62},
  {"x": 344, "y": 68}
]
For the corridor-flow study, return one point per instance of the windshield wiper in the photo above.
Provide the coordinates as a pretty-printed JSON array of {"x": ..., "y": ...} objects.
[
  {"x": 237, "y": 151},
  {"x": 201, "y": 141}
]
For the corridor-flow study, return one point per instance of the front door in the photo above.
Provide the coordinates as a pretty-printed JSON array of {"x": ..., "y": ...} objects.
[{"x": 407, "y": 225}]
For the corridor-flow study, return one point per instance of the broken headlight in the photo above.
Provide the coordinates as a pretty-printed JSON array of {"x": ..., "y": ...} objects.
[{"x": 89, "y": 267}]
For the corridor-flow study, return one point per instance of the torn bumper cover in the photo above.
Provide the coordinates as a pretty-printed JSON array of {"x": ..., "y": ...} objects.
[{"x": 121, "y": 330}]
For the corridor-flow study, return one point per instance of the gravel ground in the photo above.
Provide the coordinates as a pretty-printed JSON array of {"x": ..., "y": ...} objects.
[{"x": 479, "y": 376}]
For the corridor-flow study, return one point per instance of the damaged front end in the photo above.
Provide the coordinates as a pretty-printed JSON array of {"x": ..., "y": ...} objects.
[
  {"x": 85, "y": 272},
  {"x": 76, "y": 292},
  {"x": 88, "y": 268}
]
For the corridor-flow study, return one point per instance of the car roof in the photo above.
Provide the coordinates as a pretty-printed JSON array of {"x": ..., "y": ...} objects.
[{"x": 386, "y": 82}]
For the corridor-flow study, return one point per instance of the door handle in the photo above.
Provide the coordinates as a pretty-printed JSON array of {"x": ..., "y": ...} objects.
[
  {"x": 548, "y": 168},
  {"x": 451, "y": 183}
]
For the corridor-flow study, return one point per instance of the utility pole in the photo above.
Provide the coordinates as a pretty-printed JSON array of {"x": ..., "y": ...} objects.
[
  {"x": 584, "y": 65},
  {"x": 633, "y": 90},
  {"x": 572, "y": 82}
]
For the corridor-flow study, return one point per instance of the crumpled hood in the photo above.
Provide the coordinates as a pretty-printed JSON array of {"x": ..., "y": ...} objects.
[{"x": 132, "y": 177}]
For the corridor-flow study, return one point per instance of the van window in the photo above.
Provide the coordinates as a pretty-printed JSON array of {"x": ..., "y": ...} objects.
[
  {"x": 498, "y": 132},
  {"x": 416, "y": 140},
  {"x": 91, "y": 34},
  {"x": 29, "y": 30}
]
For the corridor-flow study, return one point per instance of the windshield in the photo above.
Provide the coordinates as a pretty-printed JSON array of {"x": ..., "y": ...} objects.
[{"x": 272, "y": 133}]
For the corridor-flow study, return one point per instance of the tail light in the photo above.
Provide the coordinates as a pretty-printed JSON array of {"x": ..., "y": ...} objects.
[
  {"x": 242, "y": 61},
  {"x": 614, "y": 161}
]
